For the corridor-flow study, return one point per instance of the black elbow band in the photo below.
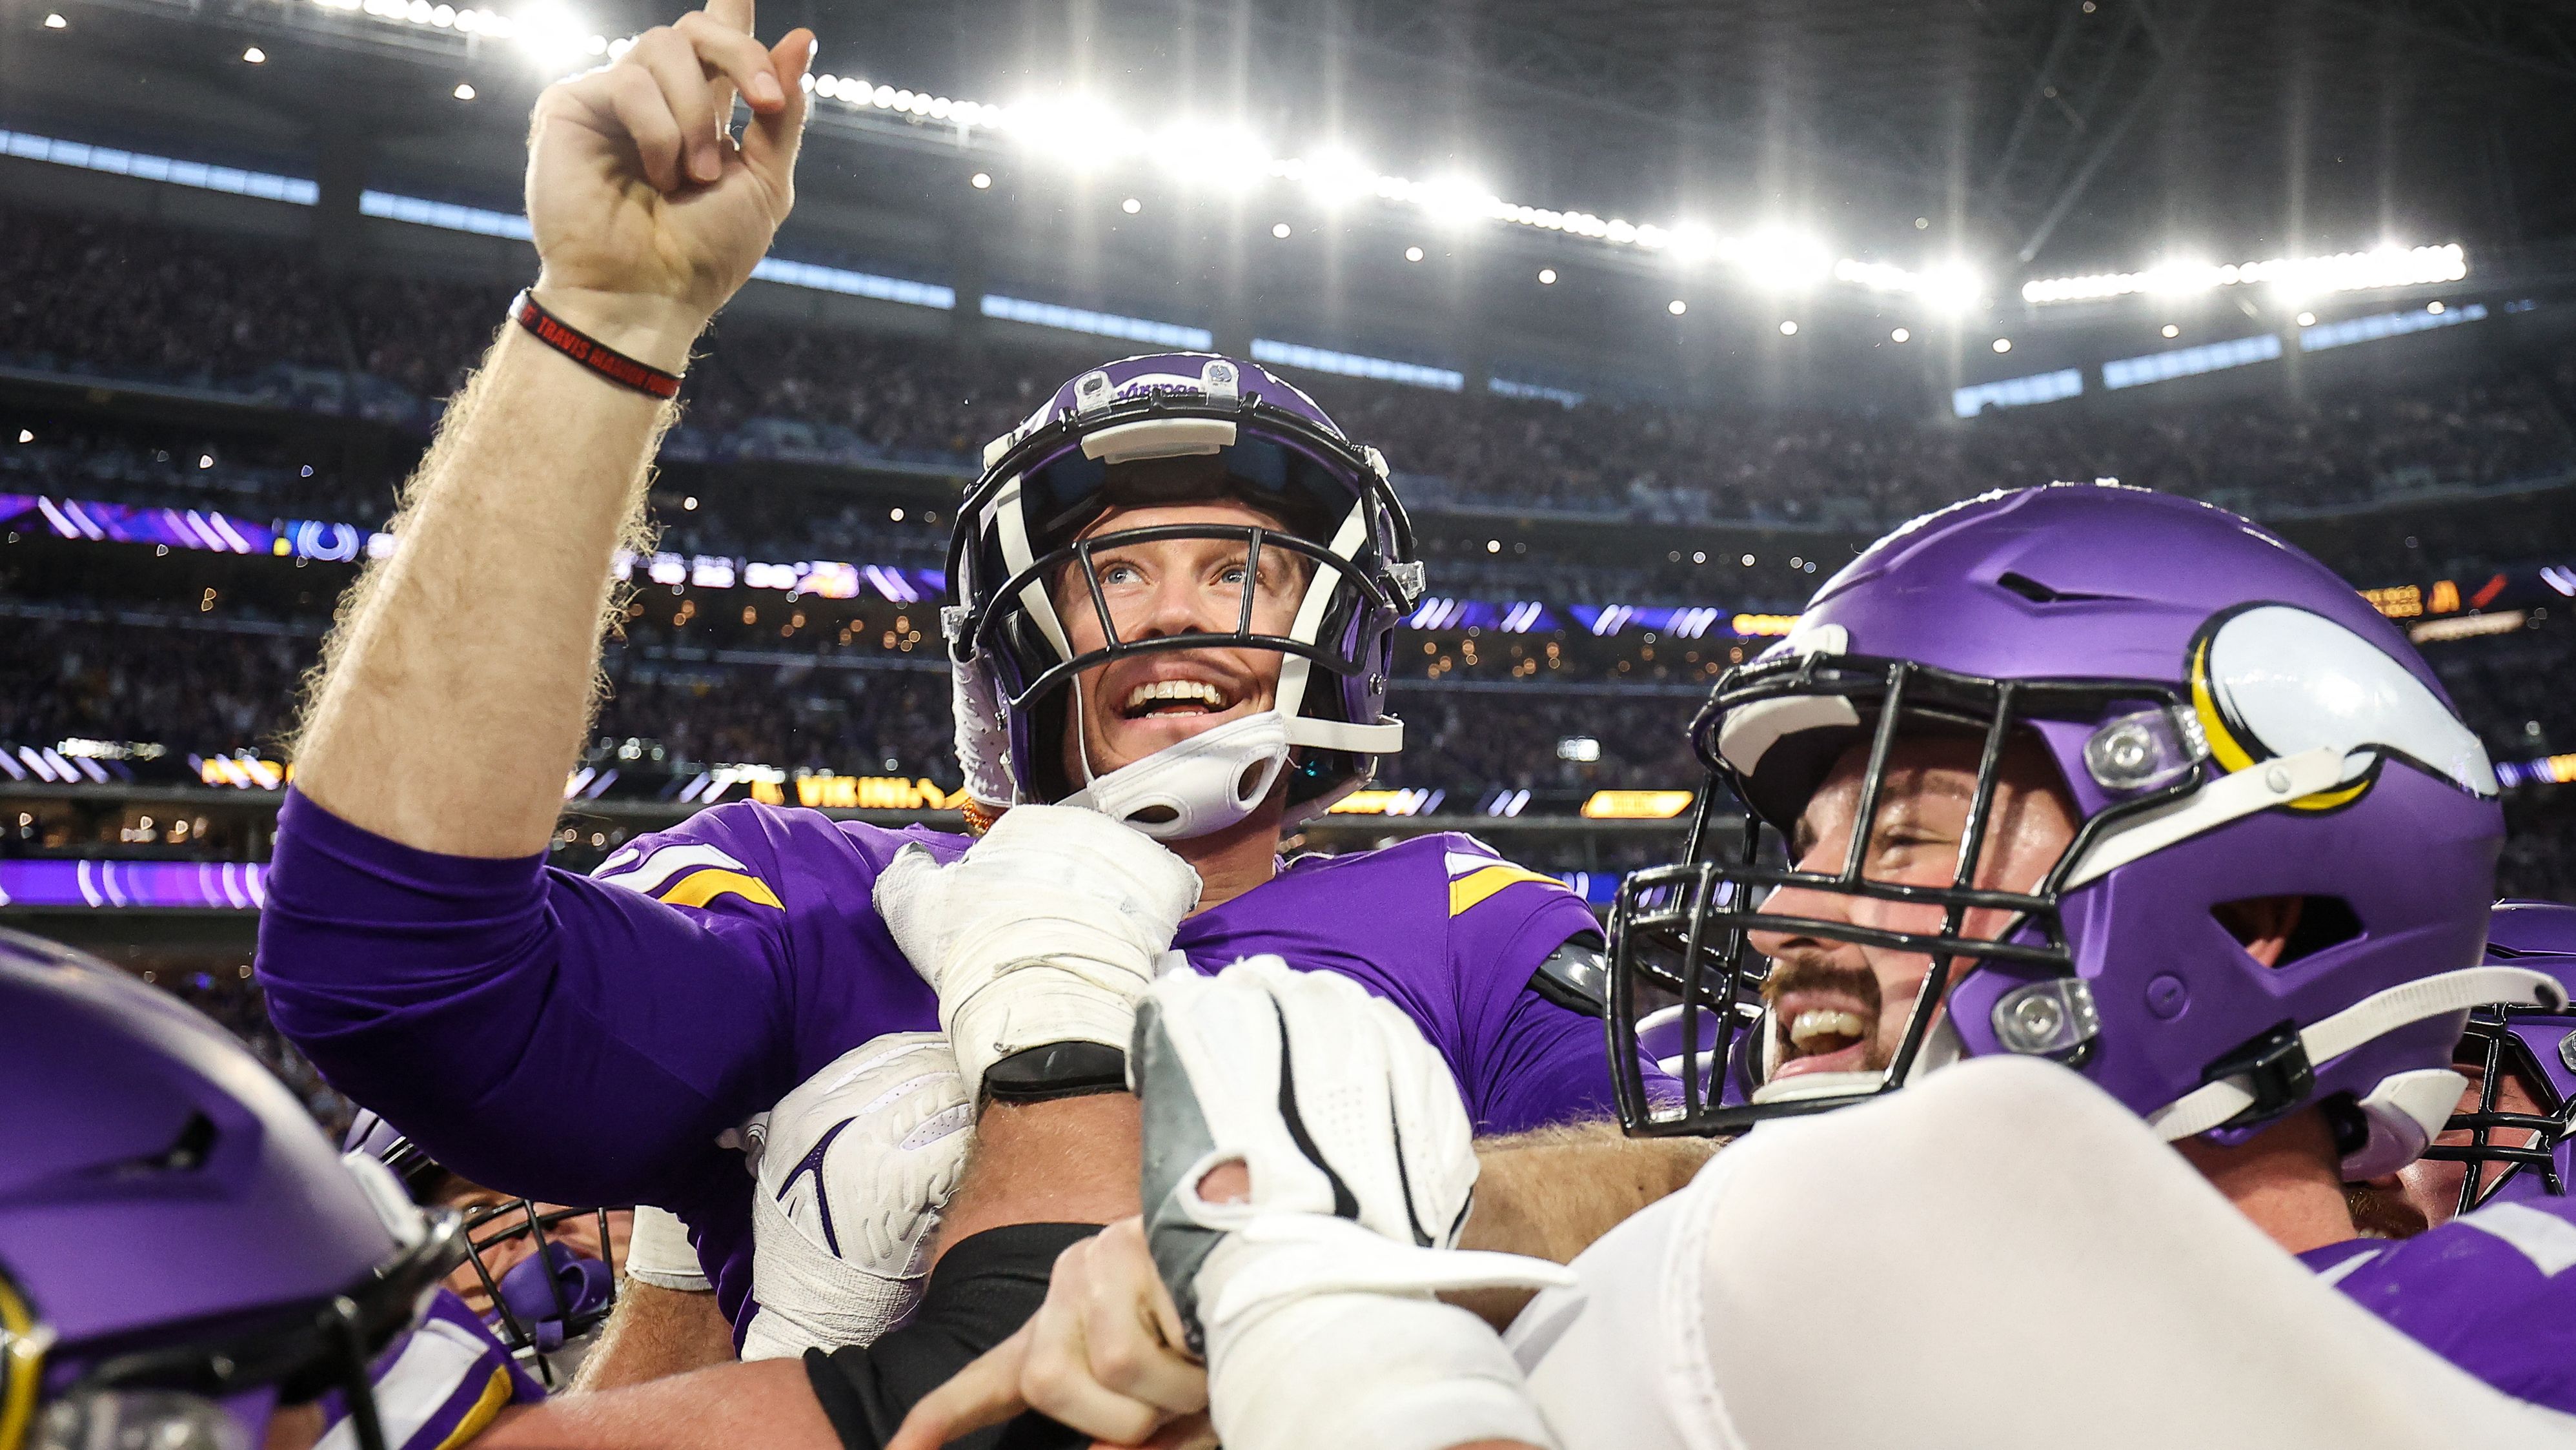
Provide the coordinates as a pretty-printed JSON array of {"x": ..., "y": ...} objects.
[
  {"x": 981, "y": 1291},
  {"x": 1057, "y": 1070}
]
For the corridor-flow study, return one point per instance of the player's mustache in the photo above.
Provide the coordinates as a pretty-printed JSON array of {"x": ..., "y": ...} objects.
[{"x": 1808, "y": 970}]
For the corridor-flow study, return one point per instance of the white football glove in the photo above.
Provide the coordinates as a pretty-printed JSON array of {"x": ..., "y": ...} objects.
[
  {"x": 1361, "y": 1168},
  {"x": 1047, "y": 930},
  {"x": 850, "y": 1172}
]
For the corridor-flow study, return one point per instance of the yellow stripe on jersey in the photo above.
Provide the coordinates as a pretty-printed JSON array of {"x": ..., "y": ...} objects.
[
  {"x": 495, "y": 1398},
  {"x": 700, "y": 887},
  {"x": 1475, "y": 886}
]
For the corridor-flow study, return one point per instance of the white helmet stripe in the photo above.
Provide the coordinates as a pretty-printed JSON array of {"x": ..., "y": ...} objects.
[
  {"x": 1295, "y": 669},
  {"x": 1010, "y": 522}
]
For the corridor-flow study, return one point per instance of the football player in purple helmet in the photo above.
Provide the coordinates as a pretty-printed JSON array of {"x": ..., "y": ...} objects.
[
  {"x": 545, "y": 1306},
  {"x": 184, "y": 1260},
  {"x": 2510, "y": 1137},
  {"x": 2083, "y": 821},
  {"x": 1172, "y": 599}
]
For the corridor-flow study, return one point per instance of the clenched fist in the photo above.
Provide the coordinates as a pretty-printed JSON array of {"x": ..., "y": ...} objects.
[{"x": 647, "y": 213}]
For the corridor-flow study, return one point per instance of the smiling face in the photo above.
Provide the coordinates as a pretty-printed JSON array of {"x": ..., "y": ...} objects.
[
  {"x": 1840, "y": 1007},
  {"x": 1133, "y": 707}
]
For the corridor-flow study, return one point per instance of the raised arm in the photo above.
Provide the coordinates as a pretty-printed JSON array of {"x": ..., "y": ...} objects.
[{"x": 458, "y": 686}]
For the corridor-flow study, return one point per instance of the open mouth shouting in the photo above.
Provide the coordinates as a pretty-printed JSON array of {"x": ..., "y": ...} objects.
[
  {"x": 1159, "y": 703},
  {"x": 1823, "y": 1019},
  {"x": 1174, "y": 698}
]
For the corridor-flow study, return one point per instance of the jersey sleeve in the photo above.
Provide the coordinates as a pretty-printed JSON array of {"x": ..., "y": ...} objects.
[
  {"x": 1533, "y": 1060},
  {"x": 2493, "y": 1292},
  {"x": 579, "y": 1040}
]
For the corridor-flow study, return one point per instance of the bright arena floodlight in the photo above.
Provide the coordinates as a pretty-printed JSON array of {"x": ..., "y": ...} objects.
[
  {"x": 2389, "y": 266},
  {"x": 1085, "y": 134}
]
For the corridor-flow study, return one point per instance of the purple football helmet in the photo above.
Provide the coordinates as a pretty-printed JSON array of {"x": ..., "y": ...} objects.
[
  {"x": 2537, "y": 1046},
  {"x": 181, "y": 1251},
  {"x": 550, "y": 1294},
  {"x": 1058, "y": 473},
  {"x": 2228, "y": 721}
]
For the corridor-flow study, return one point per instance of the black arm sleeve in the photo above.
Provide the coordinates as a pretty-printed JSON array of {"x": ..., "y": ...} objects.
[{"x": 980, "y": 1292}]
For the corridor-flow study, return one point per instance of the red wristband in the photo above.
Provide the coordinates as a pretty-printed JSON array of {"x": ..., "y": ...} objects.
[{"x": 590, "y": 352}]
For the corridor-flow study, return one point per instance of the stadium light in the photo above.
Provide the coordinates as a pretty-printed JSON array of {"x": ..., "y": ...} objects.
[
  {"x": 980, "y": 181},
  {"x": 1677, "y": 307},
  {"x": 255, "y": 56},
  {"x": 2003, "y": 344},
  {"x": 464, "y": 92},
  {"x": 1788, "y": 329},
  {"x": 1131, "y": 206},
  {"x": 1901, "y": 335},
  {"x": 1413, "y": 254},
  {"x": 1281, "y": 230},
  {"x": 1547, "y": 276},
  {"x": 56, "y": 22},
  {"x": 2389, "y": 266}
]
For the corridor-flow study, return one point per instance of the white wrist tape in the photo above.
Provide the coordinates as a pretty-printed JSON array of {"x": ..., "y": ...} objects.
[
  {"x": 1280, "y": 1257},
  {"x": 1365, "y": 1372},
  {"x": 1048, "y": 930},
  {"x": 659, "y": 1253}
]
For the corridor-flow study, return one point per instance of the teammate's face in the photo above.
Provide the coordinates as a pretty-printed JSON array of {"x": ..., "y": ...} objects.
[
  {"x": 2434, "y": 1187},
  {"x": 1132, "y": 707},
  {"x": 1840, "y": 1007}
]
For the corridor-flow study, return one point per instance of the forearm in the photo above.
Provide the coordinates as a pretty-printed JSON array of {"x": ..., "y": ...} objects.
[
  {"x": 1551, "y": 1192},
  {"x": 458, "y": 683},
  {"x": 653, "y": 1334},
  {"x": 731, "y": 1406},
  {"x": 1073, "y": 1160}
]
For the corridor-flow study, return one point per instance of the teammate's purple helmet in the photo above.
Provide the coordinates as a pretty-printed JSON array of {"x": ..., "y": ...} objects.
[
  {"x": 2229, "y": 722},
  {"x": 181, "y": 1251},
  {"x": 551, "y": 1295},
  {"x": 2535, "y": 1150},
  {"x": 1051, "y": 477}
]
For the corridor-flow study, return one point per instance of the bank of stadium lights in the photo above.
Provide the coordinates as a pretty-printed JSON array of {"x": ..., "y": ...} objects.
[
  {"x": 2293, "y": 276},
  {"x": 1084, "y": 134}
]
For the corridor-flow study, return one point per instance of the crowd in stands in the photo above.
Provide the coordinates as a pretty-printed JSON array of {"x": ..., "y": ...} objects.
[{"x": 207, "y": 310}]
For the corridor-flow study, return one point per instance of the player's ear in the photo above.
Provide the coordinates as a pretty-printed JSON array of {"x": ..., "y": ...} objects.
[{"x": 2262, "y": 925}]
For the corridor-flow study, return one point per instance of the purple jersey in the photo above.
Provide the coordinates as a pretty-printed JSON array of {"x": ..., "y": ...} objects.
[
  {"x": 588, "y": 1039},
  {"x": 2487, "y": 1291}
]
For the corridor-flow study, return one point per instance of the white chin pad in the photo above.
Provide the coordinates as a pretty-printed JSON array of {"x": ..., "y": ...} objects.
[
  {"x": 1204, "y": 784},
  {"x": 2404, "y": 1112}
]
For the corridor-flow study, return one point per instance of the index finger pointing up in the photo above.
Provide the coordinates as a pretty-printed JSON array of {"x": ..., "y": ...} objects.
[{"x": 733, "y": 15}]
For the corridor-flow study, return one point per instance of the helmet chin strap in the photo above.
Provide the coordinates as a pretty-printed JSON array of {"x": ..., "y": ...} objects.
[{"x": 1214, "y": 779}]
